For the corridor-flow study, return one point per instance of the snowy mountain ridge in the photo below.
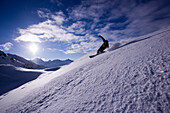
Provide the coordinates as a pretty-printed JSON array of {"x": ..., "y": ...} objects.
[
  {"x": 133, "y": 76},
  {"x": 52, "y": 63},
  {"x": 17, "y": 61}
]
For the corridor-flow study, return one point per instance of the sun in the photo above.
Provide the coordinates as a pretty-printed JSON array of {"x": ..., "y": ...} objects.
[{"x": 33, "y": 48}]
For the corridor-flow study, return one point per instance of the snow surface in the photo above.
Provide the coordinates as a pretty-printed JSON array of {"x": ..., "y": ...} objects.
[
  {"x": 12, "y": 77},
  {"x": 127, "y": 78}
]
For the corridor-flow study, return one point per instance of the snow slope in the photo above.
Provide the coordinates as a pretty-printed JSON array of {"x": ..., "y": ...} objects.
[{"x": 127, "y": 78}]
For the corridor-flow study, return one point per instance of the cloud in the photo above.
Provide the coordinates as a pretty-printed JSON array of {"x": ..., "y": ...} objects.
[
  {"x": 45, "y": 31},
  {"x": 57, "y": 17},
  {"x": 58, "y": 2},
  {"x": 142, "y": 18},
  {"x": 53, "y": 30},
  {"x": 89, "y": 10},
  {"x": 52, "y": 49},
  {"x": 44, "y": 13},
  {"x": 80, "y": 25},
  {"x": 122, "y": 18},
  {"x": 7, "y": 46},
  {"x": 83, "y": 47}
]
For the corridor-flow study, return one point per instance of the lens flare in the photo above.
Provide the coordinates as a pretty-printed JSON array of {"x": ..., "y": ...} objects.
[{"x": 162, "y": 71}]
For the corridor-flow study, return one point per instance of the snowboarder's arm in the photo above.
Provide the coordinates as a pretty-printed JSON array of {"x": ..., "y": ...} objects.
[{"x": 102, "y": 38}]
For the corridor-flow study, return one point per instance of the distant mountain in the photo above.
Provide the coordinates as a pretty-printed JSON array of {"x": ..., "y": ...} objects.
[
  {"x": 52, "y": 63},
  {"x": 17, "y": 61}
]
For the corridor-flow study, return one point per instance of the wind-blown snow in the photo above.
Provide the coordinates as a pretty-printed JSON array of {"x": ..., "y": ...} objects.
[{"x": 127, "y": 78}]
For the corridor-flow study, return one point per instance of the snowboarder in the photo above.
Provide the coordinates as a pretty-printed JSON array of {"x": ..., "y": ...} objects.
[
  {"x": 104, "y": 45},
  {"x": 102, "y": 48}
]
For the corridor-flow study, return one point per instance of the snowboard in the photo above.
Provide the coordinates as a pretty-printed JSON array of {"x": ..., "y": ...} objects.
[{"x": 92, "y": 56}]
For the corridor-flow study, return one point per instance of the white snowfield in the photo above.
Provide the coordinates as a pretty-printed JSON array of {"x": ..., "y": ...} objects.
[{"x": 132, "y": 76}]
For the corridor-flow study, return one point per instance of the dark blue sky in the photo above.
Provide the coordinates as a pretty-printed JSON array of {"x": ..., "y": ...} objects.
[{"x": 69, "y": 28}]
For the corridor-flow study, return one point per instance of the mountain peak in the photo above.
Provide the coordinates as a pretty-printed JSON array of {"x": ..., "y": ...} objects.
[
  {"x": 17, "y": 61},
  {"x": 52, "y": 63},
  {"x": 37, "y": 59}
]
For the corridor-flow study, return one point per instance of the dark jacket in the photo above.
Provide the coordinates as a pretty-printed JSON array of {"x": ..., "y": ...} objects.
[{"x": 104, "y": 45}]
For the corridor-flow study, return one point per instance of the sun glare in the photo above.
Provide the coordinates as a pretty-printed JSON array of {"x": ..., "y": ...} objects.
[{"x": 33, "y": 48}]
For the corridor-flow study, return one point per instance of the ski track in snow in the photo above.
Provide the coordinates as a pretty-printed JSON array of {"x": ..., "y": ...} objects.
[{"x": 125, "y": 79}]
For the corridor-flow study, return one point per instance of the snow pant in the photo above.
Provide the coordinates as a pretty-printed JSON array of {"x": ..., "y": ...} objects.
[{"x": 101, "y": 50}]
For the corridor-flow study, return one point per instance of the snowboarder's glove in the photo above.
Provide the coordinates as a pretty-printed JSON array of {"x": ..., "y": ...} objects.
[{"x": 100, "y": 36}]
